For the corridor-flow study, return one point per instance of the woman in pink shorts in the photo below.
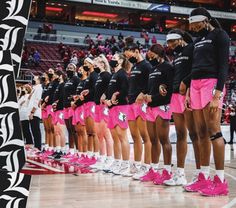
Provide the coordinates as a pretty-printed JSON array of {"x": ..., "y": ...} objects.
[
  {"x": 209, "y": 73},
  {"x": 138, "y": 84},
  {"x": 48, "y": 101},
  {"x": 116, "y": 100},
  {"x": 58, "y": 117},
  {"x": 70, "y": 90},
  {"x": 89, "y": 107},
  {"x": 101, "y": 111},
  {"x": 78, "y": 117},
  {"x": 182, "y": 45},
  {"x": 158, "y": 112}
]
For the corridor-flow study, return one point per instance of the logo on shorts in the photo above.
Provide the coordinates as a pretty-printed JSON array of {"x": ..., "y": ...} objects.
[
  {"x": 165, "y": 108},
  {"x": 144, "y": 107},
  {"x": 93, "y": 109},
  {"x": 82, "y": 115},
  {"x": 106, "y": 111},
  {"x": 122, "y": 117},
  {"x": 61, "y": 116}
]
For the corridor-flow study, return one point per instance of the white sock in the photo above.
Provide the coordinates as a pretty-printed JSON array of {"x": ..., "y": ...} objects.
[
  {"x": 148, "y": 166},
  {"x": 118, "y": 160},
  {"x": 220, "y": 174},
  {"x": 180, "y": 171},
  {"x": 90, "y": 154},
  {"x": 72, "y": 151},
  {"x": 206, "y": 171},
  {"x": 125, "y": 162},
  {"x": 58, "y": 148},
  {"x": 110, "y": 158},
  {"x": 96, "y": 154},
  {"x": 155, "y": 166},
  {"x": 168, "y": 168},
  {"x": 197, "y": 171},
  {"x": 137, "y": 162},
  {"x": 102, "y": 158},
  {"x": 46, "y": 146}
]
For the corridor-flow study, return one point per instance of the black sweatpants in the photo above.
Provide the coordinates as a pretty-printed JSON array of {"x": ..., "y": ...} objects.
[
  {"x": 35, "y": 129},
  {"x": 26, "y": 132}
]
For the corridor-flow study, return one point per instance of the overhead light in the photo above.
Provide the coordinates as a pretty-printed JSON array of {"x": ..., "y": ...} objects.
[
  {"x": 54, "y": 9},
  {"x": 146, "y": 19},
  {"x": 99, "y": 14},
  {"x": 171, "y": 22}
]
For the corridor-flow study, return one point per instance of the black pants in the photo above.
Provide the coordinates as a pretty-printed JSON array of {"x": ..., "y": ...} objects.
[
  {"x": 35, "y": 129},
  {"x": 232, "y": 128},
  {"x": 26, "y": 131}
]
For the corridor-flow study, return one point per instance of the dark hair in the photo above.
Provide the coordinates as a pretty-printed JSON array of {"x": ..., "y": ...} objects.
[
  {"x": 202, "y": 11},
  {"x": 185, "y": 35},
  {"x": 131, "y": 46},
  {"x": 124, "y": 64},
  {"x": 61, "y": 73},
  {"x": 158, "y": 49}
]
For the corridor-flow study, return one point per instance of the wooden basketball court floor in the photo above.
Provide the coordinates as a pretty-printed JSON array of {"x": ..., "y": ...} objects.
[{"x": 100, "y": 190}]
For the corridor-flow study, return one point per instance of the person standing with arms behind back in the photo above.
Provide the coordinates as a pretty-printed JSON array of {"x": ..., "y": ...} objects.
[
  {"x": 208, "y": 76},
  {"x": 35, "y": 111}
]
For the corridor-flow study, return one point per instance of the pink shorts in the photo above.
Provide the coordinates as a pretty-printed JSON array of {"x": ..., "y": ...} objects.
[
  {"x": 163, "y": 111},
  {"x": 202, "y": 92},
  {"x": 118, "y": 116},
  {"x": 49, "y": 110},
  {"x": 68, "y": 112},
  {"x": 78, "y": 116},
  {"x": 136, "y": 110},
  {"x": 177, "y": 103},
  {"x": 101, "y": 113},
  {"x": 58, "y": 117},
  {"x": 89, "y": 110},
  {"x": 44, "y": 114}
]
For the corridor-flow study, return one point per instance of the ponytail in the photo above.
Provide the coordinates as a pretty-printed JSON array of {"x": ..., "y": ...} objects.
[{"x": 215, "y": 23}]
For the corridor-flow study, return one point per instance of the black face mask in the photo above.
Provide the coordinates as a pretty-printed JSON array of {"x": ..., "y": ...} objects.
[
  {"x": 154, "y": 62},
  {"x": 57, "y": 80},
  {"x": 33, "y": 82},
  {"x": 113, "y": 63},
  {"x": 18, "y": 91},
  {"x": 23, "y": 93},
  {"x": 43, "y": 79},
  {"x": 133, "y": 60},
  {"x": 79, "y": 74},
  {"x": 70, "y": 74},
  {"x": 178, "y": 49},
  {"x": 202, "y": 33},
  {"x": 97, "y": 70},
  {"x": 50, "y": 75}
]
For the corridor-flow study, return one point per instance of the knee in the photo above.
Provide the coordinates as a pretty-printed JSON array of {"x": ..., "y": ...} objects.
[
  {"x": 135, "y": 137},
  {"x": 164, "y": 141},
  {"x": 181, "y": 135},
  {"x": 193, "y": 136},
  {"x": 203, "y": 133}
]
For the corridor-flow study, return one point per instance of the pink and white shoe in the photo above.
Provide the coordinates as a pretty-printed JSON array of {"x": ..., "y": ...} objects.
[
  {"x": 150, "y": 176},
  {"x": 89, "y": 161},
  {"x": 198, "y": 185},
  {"x": 164, "y": 176},
  {"x": 217, "y": 188}
]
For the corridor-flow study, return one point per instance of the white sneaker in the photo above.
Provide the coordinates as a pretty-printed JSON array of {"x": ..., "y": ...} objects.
[
  {"x": 99, "y": 163},
  {"x": 194, "y": 179},
  {"x": 124, "y": 169},
  {"x": 108, "y": 162},
  {"x": 142, "y": 172},
  {"x": 134, "y": 168},
  {"x": 177, "y": 180},
  {"x": 114, "y": 166}
]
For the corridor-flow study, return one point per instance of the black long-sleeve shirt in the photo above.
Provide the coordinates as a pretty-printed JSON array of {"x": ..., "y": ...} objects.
[
  {"x": 59, "y": 96},
  {"x": 70, "y": 90},
  {"x": 163, "y": 74},
  {"x": 90, "y": 85},
  {"x": 182, "y": 67},
  {"x": 79, "y": 89},
  {"x": 210, "y": 57},
  {"x": 138, "y": 80},
  {"x": 50, "y": 92},
  {"x": 101, "y": 85},
  {"x": 119, "y": 83}
]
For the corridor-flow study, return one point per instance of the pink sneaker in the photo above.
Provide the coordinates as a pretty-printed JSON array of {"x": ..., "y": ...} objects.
[
  {"x": 200, "y": 184},
  {"x": 217, "y": 188},
  {"x": 73, "y": 159},
  {"x": 164, "y": 176},
  {"x": 150, "y": 176},
  {"x": 89, "y": 161}
]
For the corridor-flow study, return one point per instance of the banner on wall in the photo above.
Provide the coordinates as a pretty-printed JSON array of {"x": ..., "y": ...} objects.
[
  {"x": 82, "y": 1},
  {"x": 216, "y": 14},
  {"x": 134, "y": 5}
]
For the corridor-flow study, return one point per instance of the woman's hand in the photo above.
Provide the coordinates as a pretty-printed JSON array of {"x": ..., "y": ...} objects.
[
  {"x": 148, "y": 98},
  {"x": 85, "y": 92},
  {"x": 162, "y": 90},
  {"x": 182, "y": 88},
  {"x": 102, "y": 99},
  {"x": 140, "y": 98}
]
